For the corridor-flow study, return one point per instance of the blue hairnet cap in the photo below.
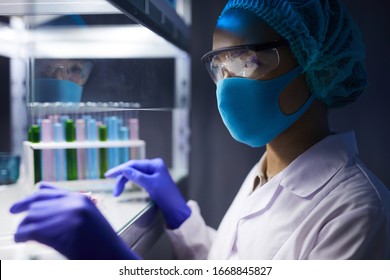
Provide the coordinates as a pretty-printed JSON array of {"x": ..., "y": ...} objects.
[{"x": 324, "y": 39}]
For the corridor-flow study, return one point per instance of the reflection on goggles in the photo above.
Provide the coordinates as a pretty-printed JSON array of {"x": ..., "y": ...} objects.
[{"x": 248, "y": 61}]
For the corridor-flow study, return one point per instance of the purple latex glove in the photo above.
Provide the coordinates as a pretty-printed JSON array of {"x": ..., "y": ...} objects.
[
  {"x": 154, "y": 177},
  {"x": 70, "y": 223}
]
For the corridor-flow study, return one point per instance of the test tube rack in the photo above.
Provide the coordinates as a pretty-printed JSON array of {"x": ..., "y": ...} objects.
[{"x": 28, "y": 158}]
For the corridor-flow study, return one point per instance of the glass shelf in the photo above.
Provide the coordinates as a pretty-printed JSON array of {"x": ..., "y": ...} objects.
[{"x": 133, "y": 41}]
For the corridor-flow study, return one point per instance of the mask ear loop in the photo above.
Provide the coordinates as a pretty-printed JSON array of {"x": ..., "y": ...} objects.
[{"x": 309, "y": 100}]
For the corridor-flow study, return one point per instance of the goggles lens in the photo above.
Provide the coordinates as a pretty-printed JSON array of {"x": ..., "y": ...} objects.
[{"x": 248, "y": 61}]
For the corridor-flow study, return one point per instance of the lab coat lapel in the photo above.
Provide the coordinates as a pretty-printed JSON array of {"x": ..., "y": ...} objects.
[
  {"x": 327, "y": 158},
  {"x": 261, "y": 199}
]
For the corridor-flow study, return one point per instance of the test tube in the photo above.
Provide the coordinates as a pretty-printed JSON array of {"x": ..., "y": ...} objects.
[
  {"x": 124, "y": 152},
  {"x": 81, "y": 154},
  {"x": 92, "y": 171},
  {"x": 103, "y": 151},
  {"x": 134, "y": 128},
  {"x": 134, "y": 135},
  {"x": 34, "y": 137},
  {"x": 62, "y": 120},
  {"x": 113, "y": 135},
  {"x": 71, "y": 156},
  {"x": 53, "y": 118},
  {"x": 47, "y": 154},
  {"x": 86, "y": 118},
  {"x": 59, "y": 154}
]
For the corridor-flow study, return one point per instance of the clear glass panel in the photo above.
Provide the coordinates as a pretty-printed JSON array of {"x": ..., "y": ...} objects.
[
  {"x": 81, "y": 58},
  {"x": 109, "y": 69},
  {"x": 142, "y": 82},
  {"x": 88, "y": 58}
]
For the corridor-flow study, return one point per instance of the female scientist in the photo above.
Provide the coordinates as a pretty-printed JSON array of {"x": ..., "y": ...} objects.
[{"x": 278, "y": 66}]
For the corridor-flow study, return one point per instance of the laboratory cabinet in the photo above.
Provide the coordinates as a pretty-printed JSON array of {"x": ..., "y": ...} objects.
[{"x": 94, "y": 84}]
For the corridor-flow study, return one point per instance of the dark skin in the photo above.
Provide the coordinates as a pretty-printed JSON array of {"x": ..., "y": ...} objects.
[{"x": 240, "y": 27}]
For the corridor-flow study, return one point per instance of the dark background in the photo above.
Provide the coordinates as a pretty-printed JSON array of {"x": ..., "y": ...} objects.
[
  {"x": 5, "y": 110},
  {"x": 149, "y": 82},
  {"x": 219, "y": 164}
]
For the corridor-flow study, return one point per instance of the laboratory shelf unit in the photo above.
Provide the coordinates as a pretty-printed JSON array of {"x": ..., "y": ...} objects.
[
  {"x": 158, "y": 16},
  {"x": 82, "y": 73}
]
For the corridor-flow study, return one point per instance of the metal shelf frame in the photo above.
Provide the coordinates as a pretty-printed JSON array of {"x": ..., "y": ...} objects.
[{"x": 158, "y": 16}]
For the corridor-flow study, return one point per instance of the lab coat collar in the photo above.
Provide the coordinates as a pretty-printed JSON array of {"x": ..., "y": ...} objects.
[
  {"x": 325, "y": 159},
  {"x": 259, "y": 200},
  {"x": 305, "y": 175}
]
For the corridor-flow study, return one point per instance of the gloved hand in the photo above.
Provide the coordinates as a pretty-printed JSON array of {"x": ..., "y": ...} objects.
[
  {"x": 154, "y": 177},
  {"x": 70, "y": 223}
]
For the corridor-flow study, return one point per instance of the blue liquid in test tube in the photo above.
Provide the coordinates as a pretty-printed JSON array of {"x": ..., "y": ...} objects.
[
  {"x": 92, "y": 171},
  {"x": 62, "y": 120},
  {"x": 124, "y": 152},
  {"x": 86, "y": 118},
  {"x": 59, "y": 154},
  {"x": 113, "y": 135}
]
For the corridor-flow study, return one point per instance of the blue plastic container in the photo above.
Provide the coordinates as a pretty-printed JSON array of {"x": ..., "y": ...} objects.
[{"x": 9, "y": 168}]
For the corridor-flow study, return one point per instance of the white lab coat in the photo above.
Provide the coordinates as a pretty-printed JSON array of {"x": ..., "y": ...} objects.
[{"x": 324, "y": 205}]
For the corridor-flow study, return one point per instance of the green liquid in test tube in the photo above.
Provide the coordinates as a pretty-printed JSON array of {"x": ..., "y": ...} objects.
[
  {"x": 34, "y": 136},
  {"x": 71, "y": 154},
  {"x": 103, "y": 155}
]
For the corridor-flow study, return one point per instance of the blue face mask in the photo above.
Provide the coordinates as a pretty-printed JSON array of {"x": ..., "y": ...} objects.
[
  {"x": 250, "y": 108},
  {"x": 54, "y": 90}
]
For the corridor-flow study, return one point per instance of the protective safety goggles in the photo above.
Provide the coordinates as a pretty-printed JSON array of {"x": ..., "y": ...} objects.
[{"x": 245, "y": 61}]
